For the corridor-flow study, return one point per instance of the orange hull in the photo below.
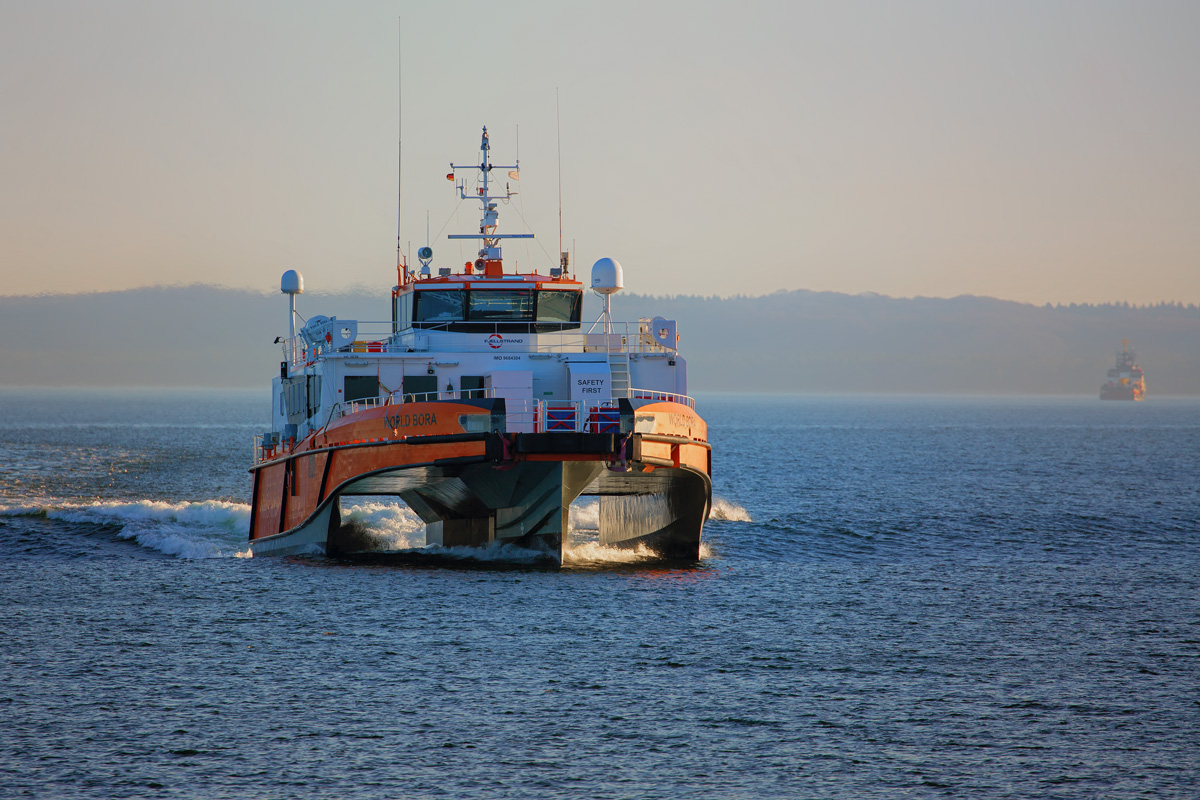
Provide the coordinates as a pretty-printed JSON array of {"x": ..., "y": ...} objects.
[{"x": 478, "y": 486}]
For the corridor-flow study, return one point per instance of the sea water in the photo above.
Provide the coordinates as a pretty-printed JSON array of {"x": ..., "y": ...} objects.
[{"x": 897, "y": 597}]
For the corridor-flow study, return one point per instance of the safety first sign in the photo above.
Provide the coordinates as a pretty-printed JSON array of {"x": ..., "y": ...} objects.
[{"x": 591, "y": 382}]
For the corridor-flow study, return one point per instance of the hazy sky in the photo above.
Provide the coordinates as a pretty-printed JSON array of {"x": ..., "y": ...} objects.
[{"x": 1035, "y": 151}]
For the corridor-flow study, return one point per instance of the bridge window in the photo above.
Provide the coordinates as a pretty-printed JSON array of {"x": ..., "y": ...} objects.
[
  {"x": 402, "y": 311},
  {"x": 443, "y": 305},
  {"x": 499, "y": 305},
  {"x": 515, "y": 310},
  {"x": 559, "y": 306}
]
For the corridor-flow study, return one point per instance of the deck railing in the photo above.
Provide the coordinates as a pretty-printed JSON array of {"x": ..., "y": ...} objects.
[
  {"x": 522, "y": 415},
  {"x": 662, "y": 397},
  {"x": 482, "y": 337}
]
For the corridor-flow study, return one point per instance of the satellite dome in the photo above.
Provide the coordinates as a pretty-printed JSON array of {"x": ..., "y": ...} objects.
[
  {"x": 292, "y": 282},
  {"x": 607, "y": 277}
]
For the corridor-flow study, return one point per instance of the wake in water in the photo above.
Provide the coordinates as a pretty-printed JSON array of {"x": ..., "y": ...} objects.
[
  {"x": 208, "y": 529},
  {"x": 583, "y": 548},
  {"x": 724, "y": 509},
  {"x": 218, "y": 529},
  {"x": 394, "y": 528}
]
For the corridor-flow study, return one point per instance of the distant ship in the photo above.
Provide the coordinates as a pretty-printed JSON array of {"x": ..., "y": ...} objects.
[{"x": 1125, "y": 381}]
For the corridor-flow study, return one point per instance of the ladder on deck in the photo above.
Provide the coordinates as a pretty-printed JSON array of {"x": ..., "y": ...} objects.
[{"x": 618, "y": 367}]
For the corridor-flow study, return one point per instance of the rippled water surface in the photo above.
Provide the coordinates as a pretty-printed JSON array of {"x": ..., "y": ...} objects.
[{"x": 899, "y": 597}]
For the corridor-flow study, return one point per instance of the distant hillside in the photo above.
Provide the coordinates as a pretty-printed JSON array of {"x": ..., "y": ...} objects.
[
  {"x": 824, "y": 341},
  {"x": 787, "y": 342},
  {"x": 178, "y": 336}
]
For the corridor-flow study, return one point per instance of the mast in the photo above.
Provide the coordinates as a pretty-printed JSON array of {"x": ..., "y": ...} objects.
[
  {"x": 489, "y": 261},
  {"x": 401, "y": 271},
  {"x": 563, "y": 260}
]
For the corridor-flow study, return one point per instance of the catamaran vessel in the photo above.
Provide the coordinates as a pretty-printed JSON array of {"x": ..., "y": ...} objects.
[{"x": 487, "y": 407}]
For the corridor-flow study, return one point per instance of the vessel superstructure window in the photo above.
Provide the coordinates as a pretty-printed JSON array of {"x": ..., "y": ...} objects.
[
  {"x": 470, "y": 386},
  {"x": 360, "y": 387},
  {"x": 515, "y": 310},
  {"x": 420, "y": 387},
  {"x": 313, "y": 399},
  {"x": 499, "y": 305},
  {"x": 402, "y": 311},
  {"x": 559, "y": 306},
  {"x": 442, "y": 305}
]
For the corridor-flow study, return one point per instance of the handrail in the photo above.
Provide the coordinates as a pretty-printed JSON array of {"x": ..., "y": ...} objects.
[
  {"x": 380, "y": 337},
  {"x": 664, "y": 397},
  {"x": 399, "y": 397},
  {"x": 522, "y": 415}
]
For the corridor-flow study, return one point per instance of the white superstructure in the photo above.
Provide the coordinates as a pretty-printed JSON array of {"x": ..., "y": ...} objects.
[{"x": 475, "y": 332}]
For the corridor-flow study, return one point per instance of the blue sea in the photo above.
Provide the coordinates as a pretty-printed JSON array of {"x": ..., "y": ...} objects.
[{"x": 898, "y": 597}]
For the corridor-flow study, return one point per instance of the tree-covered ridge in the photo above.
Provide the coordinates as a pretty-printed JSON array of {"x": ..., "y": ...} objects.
[{"x": 797, "y": 341}]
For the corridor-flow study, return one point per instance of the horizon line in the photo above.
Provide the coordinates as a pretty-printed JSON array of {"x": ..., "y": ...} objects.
[{"x": 363, "y": 289}]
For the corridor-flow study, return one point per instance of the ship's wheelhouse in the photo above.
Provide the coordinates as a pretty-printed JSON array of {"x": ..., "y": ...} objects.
[{"x": 519, "y": 308}]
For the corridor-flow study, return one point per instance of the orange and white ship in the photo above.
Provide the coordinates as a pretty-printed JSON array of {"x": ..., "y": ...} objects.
[
  {"x": 487, "y": 407},
  {"x": 1125, "y": 379}
]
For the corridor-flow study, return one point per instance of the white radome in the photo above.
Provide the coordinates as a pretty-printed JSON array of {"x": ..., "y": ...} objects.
[
  {"x": 607, "y": 277},
  {"x": 292, "y": 282}
]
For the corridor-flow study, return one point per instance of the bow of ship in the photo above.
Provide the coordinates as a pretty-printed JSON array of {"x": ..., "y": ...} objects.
[{"x": 487, "y": 405}]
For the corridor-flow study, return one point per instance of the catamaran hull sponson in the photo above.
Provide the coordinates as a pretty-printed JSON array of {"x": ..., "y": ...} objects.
[{"x": 511, "y": 491}]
